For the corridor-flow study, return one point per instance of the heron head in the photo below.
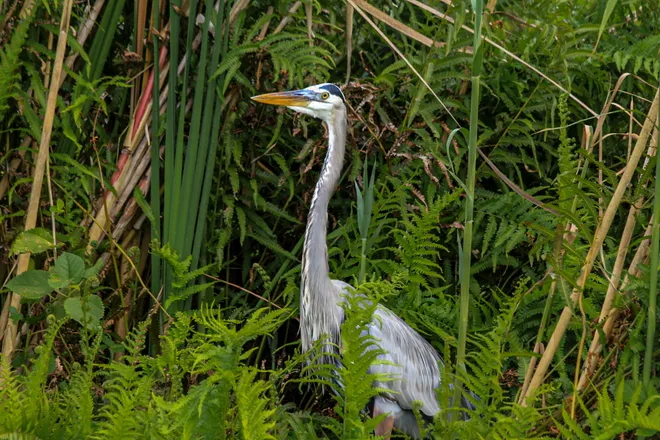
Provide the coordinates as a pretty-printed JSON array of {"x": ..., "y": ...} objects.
[{"x": 319, "y": 101}]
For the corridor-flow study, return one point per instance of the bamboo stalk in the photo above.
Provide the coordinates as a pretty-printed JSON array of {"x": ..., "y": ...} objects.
[
  {"x": 287, "y": 18},
  {"x": 239, "y": 6},
  {"x": 595, "y": 347},
  {"x": 40, "y": 167},
  {"x": 350, "y": 11},
  {"x": 538, "y": 348},
  {"x": 634, "y": 271},
  {"x": 567, "y": 233},
  {"x": 569, "y": 236},
  {"x": 397, "y": 25},
  {"x": 653, "y": 281},
  {"x": 91, "y": 14},
  {"x": 600, "y": 235},
  {"x": 309, "y": 9}
]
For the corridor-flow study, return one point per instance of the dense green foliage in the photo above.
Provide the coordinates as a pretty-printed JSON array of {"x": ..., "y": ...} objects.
[{"x": 184, "y": 324}]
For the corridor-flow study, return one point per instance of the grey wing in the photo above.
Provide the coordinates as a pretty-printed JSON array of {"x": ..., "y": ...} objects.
[{"x": 415, "y": 362}]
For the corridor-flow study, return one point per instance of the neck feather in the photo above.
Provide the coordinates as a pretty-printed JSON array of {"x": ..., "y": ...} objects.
[{"x": 317, "y": 292}]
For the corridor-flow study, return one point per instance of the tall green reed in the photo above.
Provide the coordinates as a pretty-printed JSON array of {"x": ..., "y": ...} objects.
[
  {"x": 188, "y": 170},
  {"x": 469, "y": 199},
  {"x": 365, "y": 204},
  {"x": 155, "y": 154}
]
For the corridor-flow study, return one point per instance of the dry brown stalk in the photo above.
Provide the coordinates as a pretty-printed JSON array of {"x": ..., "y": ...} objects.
[
  {"x": 238, "y": 7},
  {"x": 8, "y": 13},
  {"x": 287, "y": 18},
  {"x": 400, "y": 54},
  {"x": 532, "y": 362},
  {"x": 264, "y": 28},
  {"x": 630, "y": 127},
  {"x": 134, "y": 160},
  {"x": 515, "y": 187},
  {"x": 126, "y": 162},
  {"x": 569, "y": 236},
  {"x": 403, "y": 28},
  {"x": 606, "y": 310},
  {"x": 606, "y": 108},
  {"x": 641, "y": 257},
  {"x": 91, "y": 14},
  {"x": 309, "y": 9},
  {"x": 491, "y": 5},
  {"x": 588, "y": 141},
  {"x": 132, "y": 154},
  {"x": 235, "y": 10},
  {"x": 40, "y": 167},
  {"x": 600, "y": 235},
  {"x": 596, "y": 346},
  {"x": 350, "y": 10}
]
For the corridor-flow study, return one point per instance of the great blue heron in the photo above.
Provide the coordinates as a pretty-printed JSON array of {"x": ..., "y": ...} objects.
[{"x": 410, "y": 358}]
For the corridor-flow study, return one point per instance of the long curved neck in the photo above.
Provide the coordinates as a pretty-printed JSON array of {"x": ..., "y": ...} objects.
[{"x": 316, "y": 285}]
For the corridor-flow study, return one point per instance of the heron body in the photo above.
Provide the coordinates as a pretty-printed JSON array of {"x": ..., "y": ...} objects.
[{"x": 410, "y": 359}]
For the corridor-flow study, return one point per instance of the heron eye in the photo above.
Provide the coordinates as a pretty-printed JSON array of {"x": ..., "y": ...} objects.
[{"x": 325, "y": 95}]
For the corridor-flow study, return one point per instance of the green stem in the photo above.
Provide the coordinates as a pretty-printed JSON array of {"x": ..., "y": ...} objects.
[
  {"x": 363, "y": 261},
  {"x": 469, "y": 200},
  {"x": 155, "y": 160},
  {"x": 653, "y": 288}
]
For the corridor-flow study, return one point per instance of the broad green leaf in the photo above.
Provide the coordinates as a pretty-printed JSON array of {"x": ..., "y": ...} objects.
[
  {"x": 34, "y": 240},
  {"x": 56, "y": 281},
  {"x": 70, "y": 267},
  {"x": 88, "y": 310},
  {"x": 32, "y": 284}
]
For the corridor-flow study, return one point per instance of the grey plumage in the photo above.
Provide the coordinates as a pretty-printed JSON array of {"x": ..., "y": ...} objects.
[{"x": 411, "y": 360}]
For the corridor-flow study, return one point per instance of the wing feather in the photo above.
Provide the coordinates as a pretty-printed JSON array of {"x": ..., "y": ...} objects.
[
  {"x": 411, "y": 359},
  {"x": 414, "y": 362}
]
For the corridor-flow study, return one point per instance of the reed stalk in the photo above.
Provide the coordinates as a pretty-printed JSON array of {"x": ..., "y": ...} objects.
[
  {"x": 469, "y": 199},
  {"x": 155, "y": 154},
  {"x": 599, "y": 238},
  {"x": 40, "y": 167},
  {"x": 653, "y": 287},
  {"x": 365, "y": 203}
]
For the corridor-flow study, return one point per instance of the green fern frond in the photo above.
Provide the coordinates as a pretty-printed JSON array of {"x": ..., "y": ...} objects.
[
  {"x": 9, "y": 56},
  {"x": 256, "y": 420}
]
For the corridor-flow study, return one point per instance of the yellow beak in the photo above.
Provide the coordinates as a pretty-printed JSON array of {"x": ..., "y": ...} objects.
[{"x": 295, "y": 98}]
